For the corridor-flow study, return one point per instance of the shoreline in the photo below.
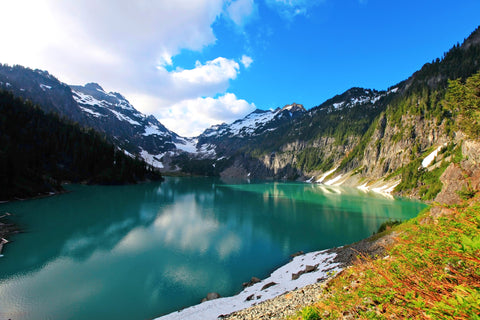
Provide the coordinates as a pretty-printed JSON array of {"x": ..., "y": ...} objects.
[
  {"x": 284, "y": 290},
  {"x": 6, "y": 229}
]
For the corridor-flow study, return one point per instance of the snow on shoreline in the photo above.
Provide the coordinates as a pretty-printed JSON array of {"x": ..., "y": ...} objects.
[
  {"x": 381, "y": 187},
  {"x": 326, "y": 174},
  {"x": 282, "y": 277}
]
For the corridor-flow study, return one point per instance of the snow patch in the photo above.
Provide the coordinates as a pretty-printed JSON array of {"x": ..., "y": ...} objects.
[
  {"x": 384, "y": 188},
  {"x": 45, "y": 87},
  {"x": 128, "y": 153},
  {"x": 153, "y": 130},
  {"x": 331, "y": 182},
  {"x": 251, "y": 122},
  {"x": 151, "y": 159},
  {"x": 187, "y": 145},
  {"x": 248, "y": 125},
  {"x": 429, "y": 159},
  {"x": 338, "y": 105},
  {"x": 123, "y": 104},
  {"x": 364, "y": 187},
  {"x": 123, "y": 117},
  {"x": 325, "y": 175},
  {"x": 95, "y": 114},
  {"x": 282, "y": 277},
  {"x": 86, "y": 99},
  {"x": 208, "y": 151}
]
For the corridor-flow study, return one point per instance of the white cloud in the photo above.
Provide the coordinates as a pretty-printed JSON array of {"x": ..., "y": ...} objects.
[
  {"x": 241, "y": 10},
  {"x": 292, "y": 8},
  {"x": 246, "y": 61},
  {"x": 213, "y": 72},
  {"x": 117, "y": 43},
  {"x": 204, "y": 112},
  {"x": 208, "y": 79},
  {"x": 128, "y": 46}
]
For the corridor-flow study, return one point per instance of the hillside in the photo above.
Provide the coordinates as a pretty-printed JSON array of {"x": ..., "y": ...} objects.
[
  {"x": 431, "y": 272},
  {"x": 40, "y": 151}
]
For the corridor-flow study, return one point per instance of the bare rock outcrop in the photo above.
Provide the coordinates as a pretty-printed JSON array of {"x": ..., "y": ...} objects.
[{"x": 453, "y": 181}]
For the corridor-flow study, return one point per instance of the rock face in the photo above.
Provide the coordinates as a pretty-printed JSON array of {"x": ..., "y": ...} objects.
[
  {"x": 454, "y": 181},
  {"x": 461, "y": 180},
  {"x": 392, "y": 144}
]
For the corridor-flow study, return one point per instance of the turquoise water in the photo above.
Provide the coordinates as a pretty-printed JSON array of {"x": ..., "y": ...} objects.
[{"x": 137, "y": 252}]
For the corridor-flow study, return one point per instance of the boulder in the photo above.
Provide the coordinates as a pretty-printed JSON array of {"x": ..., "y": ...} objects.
[
  {"x": 310, "y": 268},
  {"x": 268, "y": 285},
  {"x": 251, "y": 282},
  {"x": 211, "y": 296}
]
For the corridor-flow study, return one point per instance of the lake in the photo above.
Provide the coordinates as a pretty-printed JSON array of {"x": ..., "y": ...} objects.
[{"x": 140, "y": 251}]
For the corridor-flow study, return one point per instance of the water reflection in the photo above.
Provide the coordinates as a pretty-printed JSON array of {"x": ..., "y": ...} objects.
[{"x": 136, "y": 252}]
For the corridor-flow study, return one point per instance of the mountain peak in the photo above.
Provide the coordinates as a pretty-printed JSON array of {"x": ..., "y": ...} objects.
[
  {"x": 294, "y": 107},
  {"x": 93, "y": 86}
]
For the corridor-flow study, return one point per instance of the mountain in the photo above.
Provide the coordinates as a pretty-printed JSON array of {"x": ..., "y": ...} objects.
[
  {"x": 404, "y": 139},
  {"x": 228, "y": 138},
  {"x": 42, "y": 89},
  {"x": 90, "y": 106},
  {"x": 288, "y": 141},
  {"x": 40, "y": 151},
  {"x": 132, "y": 130}
]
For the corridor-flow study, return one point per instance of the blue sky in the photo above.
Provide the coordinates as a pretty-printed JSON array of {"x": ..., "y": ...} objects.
[{"x": 195, "y": 63}]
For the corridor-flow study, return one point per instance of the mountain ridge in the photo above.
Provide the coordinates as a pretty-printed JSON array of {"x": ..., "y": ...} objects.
[{"x": 360, "y": 137}]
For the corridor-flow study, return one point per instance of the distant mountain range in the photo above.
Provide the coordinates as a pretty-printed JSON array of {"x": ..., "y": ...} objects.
[{"x": 359, "y": 137}]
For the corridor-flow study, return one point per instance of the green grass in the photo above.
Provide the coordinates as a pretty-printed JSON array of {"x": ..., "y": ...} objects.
[
  {"x": 432, "y": 272},
  {"x": 387, "y": 225}
]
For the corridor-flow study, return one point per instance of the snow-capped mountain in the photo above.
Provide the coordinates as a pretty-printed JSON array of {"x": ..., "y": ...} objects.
[
  {"x": 226, "y": 138},
  {"x": 112, "y": 113},
  {"x": 141, "y": 135},
  {"x": 255, "y": 123},
  {"x": 41, "y": 88},
  {"x": 107, "y": 112}
]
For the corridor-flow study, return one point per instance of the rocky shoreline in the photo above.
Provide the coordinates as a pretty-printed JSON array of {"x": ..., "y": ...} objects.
[
  {"x": 289, "y": 303},
  {"x": 292, "y": 286},
  {"x": 6, "y": 229}
]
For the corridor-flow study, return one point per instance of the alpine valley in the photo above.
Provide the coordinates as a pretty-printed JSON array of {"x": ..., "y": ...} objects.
[{"x": 417, "y": 138}]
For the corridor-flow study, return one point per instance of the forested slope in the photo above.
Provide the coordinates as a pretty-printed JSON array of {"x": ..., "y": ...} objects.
[{"x": 39, "y": 151}]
